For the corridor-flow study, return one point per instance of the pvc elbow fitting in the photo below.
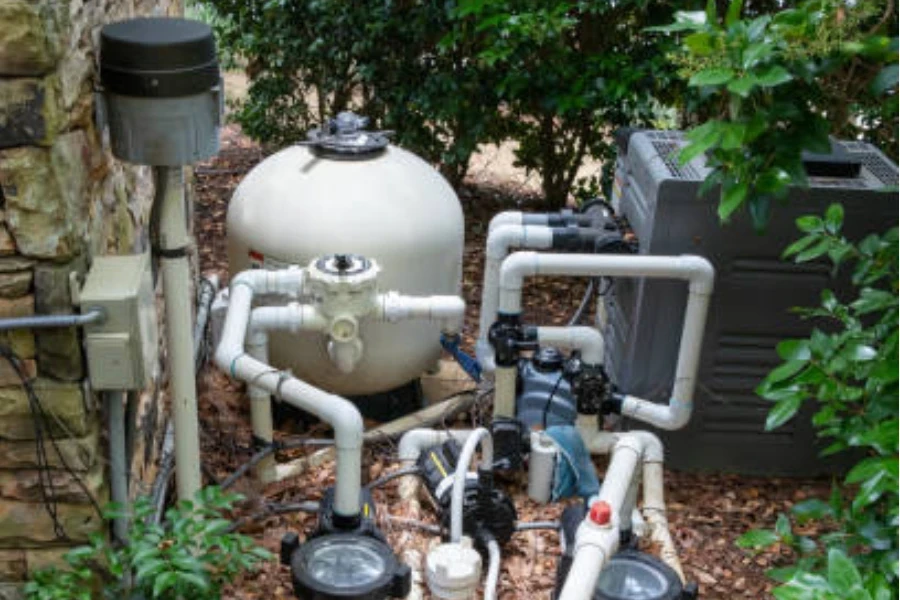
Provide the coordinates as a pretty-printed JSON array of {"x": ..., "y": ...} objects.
[{"x": 701, "y": 273}]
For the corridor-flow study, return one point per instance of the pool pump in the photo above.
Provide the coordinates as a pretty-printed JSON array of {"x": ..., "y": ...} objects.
[{"x": 344, "y": 559}]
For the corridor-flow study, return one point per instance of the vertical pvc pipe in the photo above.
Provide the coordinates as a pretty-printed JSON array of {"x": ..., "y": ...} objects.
[
  {"x": 505, "y": 392},
  {"x": 118, "y": 458},
  {"x": 261, "y": 409},
  {"x": 176, "y": 275}
]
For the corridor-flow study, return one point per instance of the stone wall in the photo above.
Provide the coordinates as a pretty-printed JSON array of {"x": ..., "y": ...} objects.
[{"x": 63, "y": 199}]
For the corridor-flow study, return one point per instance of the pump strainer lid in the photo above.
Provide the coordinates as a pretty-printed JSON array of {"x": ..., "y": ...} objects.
[{"x": 158, "y": 57}]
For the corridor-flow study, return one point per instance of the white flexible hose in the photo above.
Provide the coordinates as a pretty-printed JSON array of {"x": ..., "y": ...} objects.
[
  {"x": 482, "y": 437},
  {"x": 493, "y": 574}
]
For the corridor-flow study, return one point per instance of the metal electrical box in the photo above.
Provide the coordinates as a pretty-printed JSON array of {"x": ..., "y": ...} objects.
[
  {"x": 122, "y": 350},
  {"x": 750, "y": 311}
]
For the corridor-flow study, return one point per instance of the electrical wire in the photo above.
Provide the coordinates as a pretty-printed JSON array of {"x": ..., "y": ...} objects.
[
  {"x": 257, "y": 458},
  {"x": 550, "y": 398},
  {"x": 42, "y": 428},
  {"x": 388, "y": 477},
  {"x": 273, "y": 509},
  {"x": 537, "y": 525}
]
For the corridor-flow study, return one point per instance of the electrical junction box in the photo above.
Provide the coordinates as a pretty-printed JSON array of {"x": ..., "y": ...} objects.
[
  {"x": 122, "y": 350},
  {"x": 750, "y": 310}
]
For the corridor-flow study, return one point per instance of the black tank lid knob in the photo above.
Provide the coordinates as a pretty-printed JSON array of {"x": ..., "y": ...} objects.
[
  {"x": 547, "y": 359},
  {"x": 158, "y": 57}
]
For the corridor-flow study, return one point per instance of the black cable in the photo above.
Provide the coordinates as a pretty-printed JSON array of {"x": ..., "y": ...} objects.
[
  {"x": 412, "y": 470},
  {"x": 45, "y": 477},
  {"x": 257, "y": 458},
  {"x": 273, "y": 509},
  {"x": 550, "y": 398}
]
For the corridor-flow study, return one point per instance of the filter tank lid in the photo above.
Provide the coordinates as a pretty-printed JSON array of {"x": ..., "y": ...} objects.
[{"x": 158, "y": 57}]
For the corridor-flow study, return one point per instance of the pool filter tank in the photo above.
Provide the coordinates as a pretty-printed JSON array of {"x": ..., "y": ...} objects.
[{"x": 348, "y": 191}]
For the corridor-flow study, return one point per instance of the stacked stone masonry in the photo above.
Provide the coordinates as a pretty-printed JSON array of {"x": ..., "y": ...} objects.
[{"x": 63, "y": 200}]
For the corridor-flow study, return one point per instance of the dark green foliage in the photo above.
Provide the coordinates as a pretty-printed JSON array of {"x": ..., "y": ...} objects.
[
  {"x": 567, "y": 73},
  {"x": 193, "y": 554},
  {"x": 849, "y": 369},
  {"x": 554, "y": 76},
  {"x": 778, "y": 84}
]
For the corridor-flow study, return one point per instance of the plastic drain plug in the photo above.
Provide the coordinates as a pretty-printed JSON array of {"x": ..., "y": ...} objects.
[{"x": 453, "y": 571}]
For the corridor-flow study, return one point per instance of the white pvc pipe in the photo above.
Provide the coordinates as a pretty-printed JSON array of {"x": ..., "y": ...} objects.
[
  {"x": 257, "y": 346},
  {"x": 341, "y": 414},
  {"x": 505, "y": 392},
  {"x": 414, "y": 441},
  {"x": 697, "y": 271},
  {"x": 596, "y": 544},
  {"x": 292, "y": 317},
  {"x": 507, "y": 217},
  {"x": 501, "y": 239},
  {"x": 176, "y": 277},
  {"x": 449, "y": 311},
  {"x": 482, "y": 437},
  {"x": 493, "y": 574},
  {"x": 587, "y": 340}
]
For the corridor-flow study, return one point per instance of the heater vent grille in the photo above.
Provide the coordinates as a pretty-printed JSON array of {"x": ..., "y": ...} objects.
[{"x": 668, "y": 152}]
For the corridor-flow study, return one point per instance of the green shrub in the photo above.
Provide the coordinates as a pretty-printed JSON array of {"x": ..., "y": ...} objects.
[
  {"x": 778, "y": 84},
  {"x": 848, "y": 367},
  {"x": 193, "y": 554}
]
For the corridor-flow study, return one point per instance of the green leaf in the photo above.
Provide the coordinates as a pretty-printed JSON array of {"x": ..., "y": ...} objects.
[
  {"x": 793, "y": 350},
  {"x": 773, "y": 76},
  {"x": 810, "y": 224},
  {"x": 885, "y": 80},
  {"x": 742, "y": 86},
  {"x": 164, "y": 582},
  {"x": 834, "y": 218},
  {"x": 755, "y": 53},
  {"x": 783, "y": 526},
  {"x": 798, "y": 246},
  {"x": 782, "y": 412},
  {"x": 732, "y": 198},
  {"x": 842, "y": 573},
  {"x": 816, "y": 251},
  {"x": 699, "y": 43},
  {"x": 734, "y": 12},
  {"x": 812, "y": 509},
  {"x": 711, "y": 76},
  {"x": 757, "y": 538}
]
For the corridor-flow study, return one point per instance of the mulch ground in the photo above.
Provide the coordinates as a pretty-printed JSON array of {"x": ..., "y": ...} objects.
[{"x": 707, "y": 512}]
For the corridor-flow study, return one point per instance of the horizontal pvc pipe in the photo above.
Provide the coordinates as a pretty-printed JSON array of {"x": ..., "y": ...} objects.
[
  {"x": 89, "y": 317},
  {"x": 697, "y": 271},
  {"x": 414, "y": 441},
  {"x": 501, "y": 239},
  {"x": 340, "y": 413},
  {"x": 507, "y": 217},
  {"x": 587, "y": 340},
  {"x": 482, "y": 437},
  {"x": 293, "y": 317},
  {"x": 449, "y": 311}
]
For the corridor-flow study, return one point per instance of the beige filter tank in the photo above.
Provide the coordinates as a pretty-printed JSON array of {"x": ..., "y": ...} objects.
[{"x": 350, "y": 192}]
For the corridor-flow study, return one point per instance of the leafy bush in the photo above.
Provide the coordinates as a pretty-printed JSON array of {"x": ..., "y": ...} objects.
[
  {"x": 447, "y": 76},
  {"x": 777, "y": 85},
  {"x": 193, "y": 554},
  {"x": 567, "y": 73},
  {"x": 848, "y": 367}
]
